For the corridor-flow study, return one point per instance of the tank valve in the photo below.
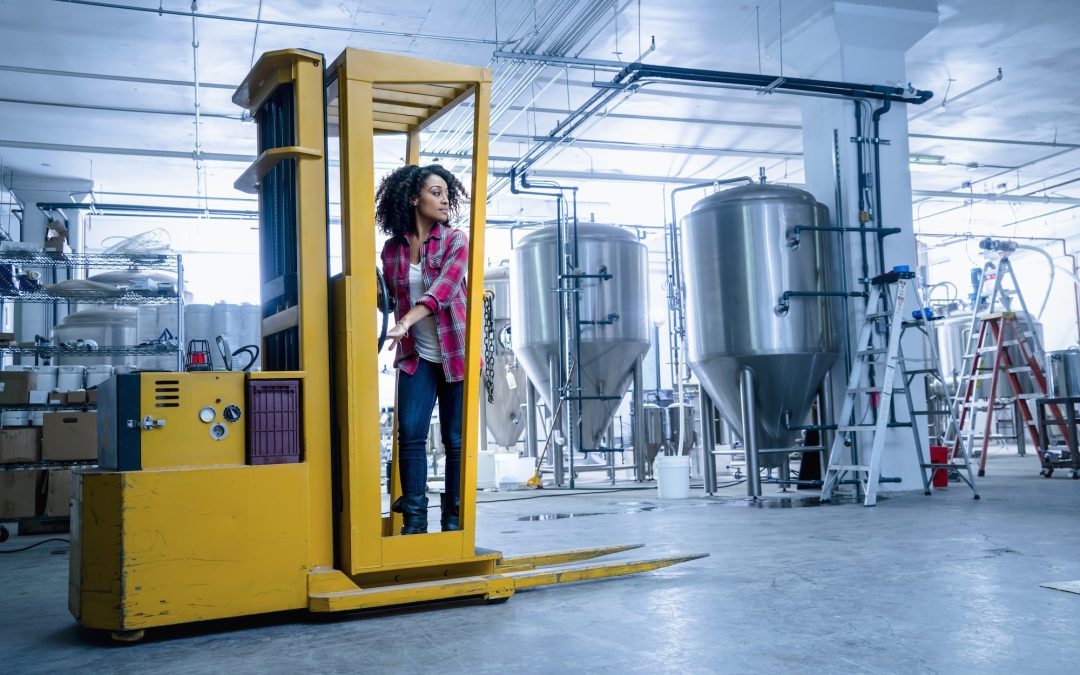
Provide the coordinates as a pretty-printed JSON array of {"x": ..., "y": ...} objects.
[
  {"x": 793, "y": 239},
  {"x": 782, "y": 307}
]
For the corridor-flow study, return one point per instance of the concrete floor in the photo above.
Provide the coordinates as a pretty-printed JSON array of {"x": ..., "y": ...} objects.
[{"x": 940, "y": 584}]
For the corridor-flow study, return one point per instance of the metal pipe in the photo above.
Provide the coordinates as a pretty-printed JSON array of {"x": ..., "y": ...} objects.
[
  {"x": 557, "y": 467},
  {"x": 286, "y": 24},
  {"x": 109, "y": 108},
  {"x": 530, "y": 419},
  {"x": 825, "y": 414},
  {"x": 708, "y": 443},
  {"x": 604, "y": 467},
  {"x": 132, "y": 152},
  {"x": 990, "y": 196},
  {"x": 638, "y": 421},
  {"x": 598, "y": 176},
  {"x": 636, "y": 75},
  {"x": 200, "y": 168},
  {"x": 946, "y": 100},
  {"x": 879, "y": 216},
  {"x": 667, "y": 148},
  {"x": 144, "y": 208},
  {"x": 571, "y": 61},
  {"x": 1001, "y": 141},
  {"x": 114, "y": 78},
  {"x": 749, "y": 432}
]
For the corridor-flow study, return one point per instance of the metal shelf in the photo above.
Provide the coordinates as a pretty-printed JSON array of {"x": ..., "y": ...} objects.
[
  {"x": 48, "y": 407},
  {"x": 53, "y": 351},
  {"x": 51, "y": 464},
  {"x": 89, "y": 260},
  {"x": 92, "y": 297}
]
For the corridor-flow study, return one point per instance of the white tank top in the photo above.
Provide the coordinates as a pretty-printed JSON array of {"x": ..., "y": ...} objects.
[{"x": 424, "y": 332}]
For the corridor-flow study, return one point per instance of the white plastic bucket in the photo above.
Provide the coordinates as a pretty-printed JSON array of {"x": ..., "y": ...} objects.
[
  {"x": 71, "y": 378},
  {"x": 46, "y": 377},
  {"x": 95, "y": 375},
  {"x": 672, "y": 476}
]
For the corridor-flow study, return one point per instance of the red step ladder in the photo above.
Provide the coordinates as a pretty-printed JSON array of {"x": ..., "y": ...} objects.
[{"x": 1002, "y": 327}]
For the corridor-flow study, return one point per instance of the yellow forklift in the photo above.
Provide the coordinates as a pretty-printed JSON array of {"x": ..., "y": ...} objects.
[{"x": 224, "y": 494}]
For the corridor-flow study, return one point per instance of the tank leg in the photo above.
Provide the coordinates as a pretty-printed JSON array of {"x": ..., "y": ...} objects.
[
  {"x": 708, "y": 443},
  {"x": 749, "y": 425},
  {"x": 637, "y": 429}
]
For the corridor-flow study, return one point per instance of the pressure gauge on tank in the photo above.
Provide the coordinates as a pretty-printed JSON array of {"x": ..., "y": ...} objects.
[{"x": 207, "y": 415}]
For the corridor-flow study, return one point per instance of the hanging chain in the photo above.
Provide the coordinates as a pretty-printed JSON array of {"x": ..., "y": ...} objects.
[{"x": 489, "y": 344}]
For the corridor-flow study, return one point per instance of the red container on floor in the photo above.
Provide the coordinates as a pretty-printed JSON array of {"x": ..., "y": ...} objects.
[
  {"x": 273, "y": 421},
  {"x": 939, "y": 454}
]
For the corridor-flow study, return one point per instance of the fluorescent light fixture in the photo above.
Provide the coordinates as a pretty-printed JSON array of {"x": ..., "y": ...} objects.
[{"x": 926, "y": 162}]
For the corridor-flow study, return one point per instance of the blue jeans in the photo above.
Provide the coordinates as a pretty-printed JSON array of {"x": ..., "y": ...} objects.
[{"x": 416, "y": 396}]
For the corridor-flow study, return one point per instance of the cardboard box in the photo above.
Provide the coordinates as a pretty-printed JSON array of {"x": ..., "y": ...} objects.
[
  {"x": 77, "y": 396},
  {"x": 69, "y": 436},
  {"x": 91, "y": 395},
  {"x": 6, "y": 338},
  {"x": 16, "y": 385},
  {"x": 19, "y": 494},
  {"x": 58, "y": 493},
  {"x": 57, "y": 397},
  {"x": 40, "y": 397},
  {"x": 19, "y": 445}
]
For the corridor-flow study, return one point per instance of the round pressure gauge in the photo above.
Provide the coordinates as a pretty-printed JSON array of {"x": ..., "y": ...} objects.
[
  {"x": 207, "y": 414},
  {"x": 231, "y": 413}
]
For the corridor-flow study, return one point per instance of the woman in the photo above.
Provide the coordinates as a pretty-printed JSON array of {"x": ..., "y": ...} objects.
[{"x": 424, "y": 263}]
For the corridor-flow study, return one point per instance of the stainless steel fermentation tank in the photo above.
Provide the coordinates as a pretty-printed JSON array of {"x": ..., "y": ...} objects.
[
  {"x": 747, "y": 337},
  {"x": 614, "y": 328},
  {"x": 505, "y": 414},
  {"x": 1063, "y": 369}
]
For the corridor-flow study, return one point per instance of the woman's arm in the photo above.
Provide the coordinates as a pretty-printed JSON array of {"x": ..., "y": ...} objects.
[{"x": 401, "y": 328}]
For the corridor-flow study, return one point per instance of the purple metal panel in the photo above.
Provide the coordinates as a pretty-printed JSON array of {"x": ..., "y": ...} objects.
[{"x": 273, "y": 422}]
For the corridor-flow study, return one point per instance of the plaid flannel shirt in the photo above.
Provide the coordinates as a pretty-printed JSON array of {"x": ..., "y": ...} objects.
[{"x": 444, "y": 261}]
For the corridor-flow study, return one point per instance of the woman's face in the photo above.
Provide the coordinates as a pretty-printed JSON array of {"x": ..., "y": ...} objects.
[{"x": 433, "y": 204}]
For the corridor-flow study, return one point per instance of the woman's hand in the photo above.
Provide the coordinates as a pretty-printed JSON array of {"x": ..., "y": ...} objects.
[{"x": 394, "y": 335}]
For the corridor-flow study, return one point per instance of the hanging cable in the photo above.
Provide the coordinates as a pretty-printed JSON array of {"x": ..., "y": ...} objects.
[{"x": 1050, "y": 283}]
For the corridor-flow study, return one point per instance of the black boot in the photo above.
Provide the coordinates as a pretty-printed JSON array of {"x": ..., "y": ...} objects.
[
  {"x": 450, "y": 519},
  {"x": 414, "y": 509}
]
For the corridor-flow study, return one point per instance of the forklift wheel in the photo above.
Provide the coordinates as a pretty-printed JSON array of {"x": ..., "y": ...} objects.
[
  {"x": 128, "y": 635},
  {"x": 4, "y": 534},
  {"x": 496, "y": 601}
]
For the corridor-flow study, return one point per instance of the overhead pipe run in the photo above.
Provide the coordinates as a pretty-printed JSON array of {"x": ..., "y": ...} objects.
[
  {"x": 637, "y": 74},
  {"x": 152, "y": 210},
  {"x": 993, "y": 197},
  {"x": 946, "y": 100},
  {"x": 160, "y": 11}
]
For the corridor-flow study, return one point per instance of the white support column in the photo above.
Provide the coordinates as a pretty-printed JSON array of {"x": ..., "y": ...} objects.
[{"x": 863, "y": 42}]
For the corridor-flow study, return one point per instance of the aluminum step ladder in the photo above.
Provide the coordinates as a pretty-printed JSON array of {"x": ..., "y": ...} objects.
[
  {"x": 879, "y": 337},
  {"x": 929, "y": 368},
  {"x": 1026, "y": 379}
]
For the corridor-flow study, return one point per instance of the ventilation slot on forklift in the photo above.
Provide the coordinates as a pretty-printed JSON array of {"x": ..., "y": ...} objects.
[
  {"x": 166, "y": 396},
  {"x": 273, "y": 425}
]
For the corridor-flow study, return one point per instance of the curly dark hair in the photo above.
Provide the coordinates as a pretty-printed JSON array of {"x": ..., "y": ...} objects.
[{"x": 394, "y": 211}]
